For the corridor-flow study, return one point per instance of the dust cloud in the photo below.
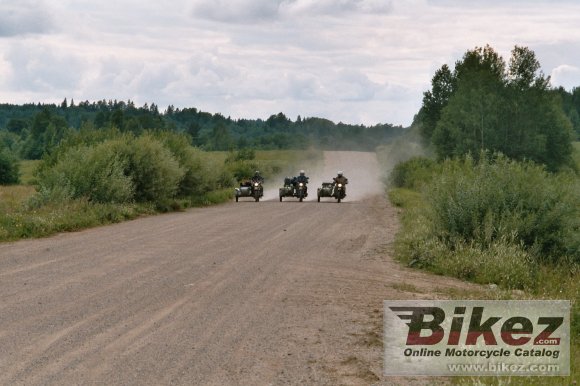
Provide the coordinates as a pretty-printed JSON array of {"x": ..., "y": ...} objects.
[
  {"x": 367, "y": 172},
  {"x": 361, "y": 168},
  {"x": 399, "y": 150}
]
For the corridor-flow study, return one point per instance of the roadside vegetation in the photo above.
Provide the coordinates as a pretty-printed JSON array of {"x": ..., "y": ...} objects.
[
  {"x": 96, "y": 177},
  {"x": 494, "y": 197},
  {"x": 511, "y": 226},
  {"x": 497, "y": 221}
]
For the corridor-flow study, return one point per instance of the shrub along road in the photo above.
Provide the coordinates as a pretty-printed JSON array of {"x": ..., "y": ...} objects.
[{"x": 240, "y": 293}]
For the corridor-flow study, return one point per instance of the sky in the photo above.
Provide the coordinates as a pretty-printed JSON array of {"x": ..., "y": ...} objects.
[{"x": 351, "y": 61}]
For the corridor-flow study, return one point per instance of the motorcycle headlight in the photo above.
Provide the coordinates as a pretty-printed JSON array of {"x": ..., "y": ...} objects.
[
  {"x": 340, "y": 185},
  {"x": 301, "y": 184},
  {"x": 256, "y": 184}
]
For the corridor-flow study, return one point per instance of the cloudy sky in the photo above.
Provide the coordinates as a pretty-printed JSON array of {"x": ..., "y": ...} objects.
[{"x": 355, "y": 61}]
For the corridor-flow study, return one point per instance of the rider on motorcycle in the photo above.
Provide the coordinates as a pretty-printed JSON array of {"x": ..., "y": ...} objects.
[
  {"x": 257, "y": 178},
  {"x": 341, "y": 179},
  {"x": 301, "y": 178}
]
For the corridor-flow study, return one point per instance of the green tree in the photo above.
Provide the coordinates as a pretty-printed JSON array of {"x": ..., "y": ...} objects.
[
  {"x": 221, "y": 138},
  {"x": 16, "y": 125},
  {"x": 481, "y": 62},
  {"x": 278, "y": 122},
  {"x": 193, "y": 130},
  {"x": 512, "y": 111},
  {"x": 118, "y": 119},
  {"x": 469, "y": 122},
  {"x": 46, "y": 131},
  {"x": 132, "y": 126},
  {"x": 435, "y": 100},
  {"x": 101, "y": 119},
  {"x": 575, "y": 120},
  {"x": 523, "y": 67},
  {"x": 9, "y": 168}
]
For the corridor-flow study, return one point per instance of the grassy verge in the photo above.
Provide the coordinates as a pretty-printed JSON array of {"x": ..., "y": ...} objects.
[{"x": 20, "y": 220}]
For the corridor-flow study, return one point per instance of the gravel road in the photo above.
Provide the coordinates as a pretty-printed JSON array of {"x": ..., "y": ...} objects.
[{"x": 241, "y": 293}]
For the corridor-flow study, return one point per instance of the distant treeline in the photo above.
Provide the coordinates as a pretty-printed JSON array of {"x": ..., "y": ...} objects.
[{"x": 31, "y": 130}]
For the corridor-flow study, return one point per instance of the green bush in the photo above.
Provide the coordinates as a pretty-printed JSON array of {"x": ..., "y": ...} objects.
[
  {"x": 241, "y": 155},
  {"x": 9, "y": 168},
  {"x": 503, "y": 263},
  {"x": 96, "y": 173},
  {"x": 119, "y": 170},
  {"x": 242, "y": 170},
  {"x": 84, "y": 137},
  {"x": 154, "y": 171},
  {"x": 402, "y": 197},
  {"x": 502, "y": 199},
  {"x": 195, "y": 180},
  {"x": 413, "y": 173}
]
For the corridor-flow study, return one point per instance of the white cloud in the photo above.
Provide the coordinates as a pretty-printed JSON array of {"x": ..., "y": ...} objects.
[
  {"x": 42, "y": 68},
  {"x": 306, "y": 8},
  {"x": 566, "y": 76},
  {"x": 242, "y": 11},
  {"x": 21, "y": 17},
  {"x": 250, "y": 11}
]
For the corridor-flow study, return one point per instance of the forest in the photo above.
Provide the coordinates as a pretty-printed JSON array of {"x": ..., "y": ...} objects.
[{"x": 31, "y": 130}]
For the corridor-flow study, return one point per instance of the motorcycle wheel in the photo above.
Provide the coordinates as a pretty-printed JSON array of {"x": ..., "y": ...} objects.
[
  {"x": 280, "y": 198},
  {"x": 339, "y": 200},
  {"x": 236, "y": 198},
  {"x": 318, "y": 198},
  {"x": 257, "y": 199},
  {"x": 300, "y": 199}
]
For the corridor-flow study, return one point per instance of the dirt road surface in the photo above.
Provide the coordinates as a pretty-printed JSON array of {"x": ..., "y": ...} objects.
[{"x": 242, "y": 293}]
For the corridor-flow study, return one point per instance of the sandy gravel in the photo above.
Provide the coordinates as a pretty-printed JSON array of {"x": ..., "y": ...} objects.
[{"x": 242, "y": 293}]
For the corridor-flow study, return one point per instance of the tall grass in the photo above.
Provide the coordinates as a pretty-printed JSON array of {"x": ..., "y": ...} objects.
[
  {"x": 516, "y": 203},
  {"x": 27, "y": 171},
  {"x": 65, "y": 216},
  {"x": 14, "y": 197},
  {"x": 497, "y": 202},
  {"x": 413, "y": 173}
]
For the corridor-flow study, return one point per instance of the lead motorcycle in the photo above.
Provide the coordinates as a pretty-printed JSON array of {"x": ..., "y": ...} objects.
[
  {"x": 332, "y": 189},
  {"x": 301, "y": 191},
  {"x": 339, "y": 191}
]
